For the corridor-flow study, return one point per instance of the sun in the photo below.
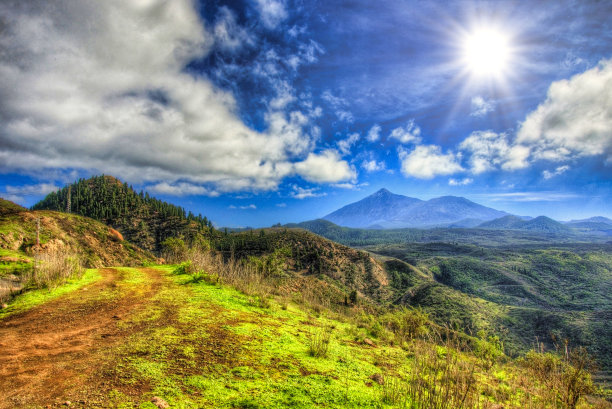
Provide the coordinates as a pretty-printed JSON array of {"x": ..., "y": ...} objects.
[{"x": 486, "y": 52}]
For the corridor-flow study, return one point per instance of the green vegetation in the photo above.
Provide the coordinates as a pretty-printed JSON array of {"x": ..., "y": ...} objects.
[
  {"x": 141, "y": 219},
  {"x": 40, "y": 296},
  {"x": 479, "y": 236}
]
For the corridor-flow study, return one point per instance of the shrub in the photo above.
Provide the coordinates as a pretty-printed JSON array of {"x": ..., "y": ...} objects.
[
  {"x": 183, "y": 268},
  {"x": 488, "y": 350},
  {"x": 319, "y": 342}
]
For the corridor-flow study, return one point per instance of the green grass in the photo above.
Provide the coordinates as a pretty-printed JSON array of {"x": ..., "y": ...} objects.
[
  {"x": 37, "y": 297},
  {"x": 212, "y": 346}
]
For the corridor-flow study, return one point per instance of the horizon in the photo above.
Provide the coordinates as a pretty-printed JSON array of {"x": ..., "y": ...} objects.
[{"x": 273, "y": 111}]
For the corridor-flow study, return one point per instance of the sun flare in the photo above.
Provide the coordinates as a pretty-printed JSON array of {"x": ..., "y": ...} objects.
[{"x": 486, "y": 52}]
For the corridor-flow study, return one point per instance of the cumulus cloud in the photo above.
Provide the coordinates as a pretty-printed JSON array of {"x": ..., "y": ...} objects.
[
  {"x": 17, "y": 194},
  {"x": 407, "y": 134},
  {"x": 303, "y": 193},
  {"x": 345, "y": 145},
  {"x": 460, "y": 182},
  {"x": 181, "y": 189},
  {"x": 547, "y": 174},
  {"x": 481, "y": 106},
  {"x": 372, "y": 165},
  {"x": 374, "y": 133},
  {"x": 272, "y": 12},
  {"x": 487, "y": 151},
  {"x": 101, "y": 87},
  {"x": 325, "y": 167},
  {"x": 575, "y": 120},
  {"x": 428, "y": 161}
]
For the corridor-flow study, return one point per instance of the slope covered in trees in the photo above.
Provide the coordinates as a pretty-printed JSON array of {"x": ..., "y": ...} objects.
[{"x": 142, "y": 219}]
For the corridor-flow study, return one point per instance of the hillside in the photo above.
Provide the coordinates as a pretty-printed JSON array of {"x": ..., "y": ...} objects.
[
  {"x": 96, "y": 244},
  {"x": 386, "y": 210},
  {"x": 521, "y": 292},
  {"x": 313, "y": 261},
  {"x": 140, "y": 218}
]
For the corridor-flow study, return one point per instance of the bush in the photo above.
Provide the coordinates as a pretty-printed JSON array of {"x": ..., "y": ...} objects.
[
  {"x": 488, "y": 350},
  {"x": 319, "y": 342},
  {"x": 183, "y": 268}
]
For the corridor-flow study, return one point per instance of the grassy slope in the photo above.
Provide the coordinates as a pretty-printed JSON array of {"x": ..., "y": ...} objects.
[{"x": 95, "y": 242}]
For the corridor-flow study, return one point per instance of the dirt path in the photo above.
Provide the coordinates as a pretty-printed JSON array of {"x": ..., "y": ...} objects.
[{"x": 52, "y": 348}]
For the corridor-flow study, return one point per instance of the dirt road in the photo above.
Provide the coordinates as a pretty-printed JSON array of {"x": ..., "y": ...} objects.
[{"x": 53, "y": 348}]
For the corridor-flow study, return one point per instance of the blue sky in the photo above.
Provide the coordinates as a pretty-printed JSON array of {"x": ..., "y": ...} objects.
[{"x": 265, "y": 111}]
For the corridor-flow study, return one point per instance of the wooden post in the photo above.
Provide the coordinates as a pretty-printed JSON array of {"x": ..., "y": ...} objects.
[{"x": 37, "y": 232}]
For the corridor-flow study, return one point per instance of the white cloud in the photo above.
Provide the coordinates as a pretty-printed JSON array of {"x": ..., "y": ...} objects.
[
  {"x": 101, "y": 87},
  {"x": 303, "y": 193},
  {"x": 481, "y": 106},
  {"x": 326, "y": 167},
  {"x": 281, "y": 205},
  {"x": 229, "y": 36},
  {"x": 345, "y": 144},
  {"x": 246, "y": 207},
  {"x": 428, "y": 161},
  {"x": 575, "y": 120},
  {"x": 374, "y": 133},
  {"x": 18, "y": 194},
  {"x": 272, "y": 12},
  {"x": 372, "y": 165},
  {"x": 408, "y": 134},
  {"x": 339, "y": 105},
  {"x": 488, "y": 150},
  {"x": 181, "y": 189},
  {"x": 558, "y": 171},
  {"x": 350, "y": 186},
  {"x": 460, "y": 182}
]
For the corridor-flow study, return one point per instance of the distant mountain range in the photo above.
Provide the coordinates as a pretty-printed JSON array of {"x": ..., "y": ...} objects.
[
  {"x": 539, "y": 224},
  {"x": 386, "y": 210}
]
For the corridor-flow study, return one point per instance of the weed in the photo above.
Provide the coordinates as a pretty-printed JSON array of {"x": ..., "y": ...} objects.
[{"x": 319, "y": 342}]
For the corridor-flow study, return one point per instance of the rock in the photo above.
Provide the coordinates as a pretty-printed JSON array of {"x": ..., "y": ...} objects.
[
  {"x": 369, "y": 342},
  {"x": 378, "y": 378},
  {"x": 67, "y": 403},
  {"x": 159, "y": 402},
  {"x": 4, "y": 305}
]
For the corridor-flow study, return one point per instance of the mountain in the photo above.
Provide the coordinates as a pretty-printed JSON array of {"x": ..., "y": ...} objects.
[
  {"x": 384, "y": 209},
  {"x": 141, "y": 219},
  {"x": 596, "y": 219},
  {"x": 506, "y": 222},
  {"x": 376, "y": 209},
  {"x": 539, "y": 224}
]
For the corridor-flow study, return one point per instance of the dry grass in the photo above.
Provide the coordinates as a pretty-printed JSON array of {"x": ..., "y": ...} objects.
[{"x": 53, "y": 268}]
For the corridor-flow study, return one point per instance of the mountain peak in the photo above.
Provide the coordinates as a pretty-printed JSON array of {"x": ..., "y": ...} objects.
[
  {"x": 383, "y": 191},
  {"x": 384, "y": 209}
]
